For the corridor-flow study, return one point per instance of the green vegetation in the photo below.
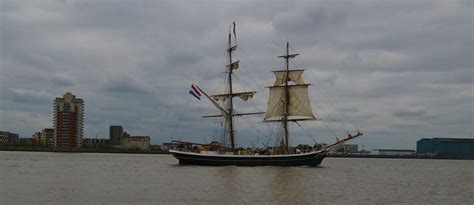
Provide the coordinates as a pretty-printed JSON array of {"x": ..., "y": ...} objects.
[
  {"x": 22, "y": 144},
  {"x": 97, "y": 147}
]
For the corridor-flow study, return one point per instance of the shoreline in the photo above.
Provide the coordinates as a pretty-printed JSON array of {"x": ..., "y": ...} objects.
[
  {"x": 84, "y": 151},
  {"x": 167, "y": 152}
]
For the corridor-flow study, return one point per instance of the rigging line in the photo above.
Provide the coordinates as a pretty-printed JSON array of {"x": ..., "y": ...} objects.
[
  {"x": 307, "y": 132},
  {"x": 269, "y": 137},
  {"x": 254, "y": 82},
  {"x": 247, "y": 72},
  {"x": 334, "y": 104},
  {"x": 333, "y": 114},
  {"x": 339, "y": 113},
  {"x": 252, "y": 126},
  {"x": 332, "y": 131},
  {"x": 242, "y": 84},
  {"x": 179, "y": 119},
  {"x": 327, "y": 97},
  {"x": 338, "y": 108}
]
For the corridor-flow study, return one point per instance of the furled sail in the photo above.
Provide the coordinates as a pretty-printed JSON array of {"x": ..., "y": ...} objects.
[
  {"x": 245, "y": 96},
  {"x": 299, "y": 104},
  {"x": 234, "y": 65},
  {"x": 293, "y": 75}
]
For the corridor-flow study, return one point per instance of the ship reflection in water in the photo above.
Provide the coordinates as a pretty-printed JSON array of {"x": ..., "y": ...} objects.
[{"x": 90, "y": 178}]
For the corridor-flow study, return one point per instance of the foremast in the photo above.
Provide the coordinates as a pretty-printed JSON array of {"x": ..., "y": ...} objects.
[
  {"x": 228, "y": 111},
  {"x": 288, "y": 102}
]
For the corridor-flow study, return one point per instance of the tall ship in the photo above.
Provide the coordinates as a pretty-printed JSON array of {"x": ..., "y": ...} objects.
[{"x": 288, "y": 102}]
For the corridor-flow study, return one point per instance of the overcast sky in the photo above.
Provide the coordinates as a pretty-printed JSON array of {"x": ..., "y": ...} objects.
[{"x": 398, "y": 70}]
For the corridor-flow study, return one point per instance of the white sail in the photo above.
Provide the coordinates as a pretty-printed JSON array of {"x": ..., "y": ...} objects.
[
  {"x": 293, "y": 75},
  {"x": 298, "y": 102}
]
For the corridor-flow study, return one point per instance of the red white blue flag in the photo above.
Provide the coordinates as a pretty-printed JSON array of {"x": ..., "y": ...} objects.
[{"x": 195, "y": 92}]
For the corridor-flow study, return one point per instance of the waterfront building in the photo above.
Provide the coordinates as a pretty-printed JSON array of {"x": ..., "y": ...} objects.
[
  {"x": 124, "y": 135},
  {"x": 136, "y": 143},
  {"x": 9, "y": 137},
  {"x": 26, "y": 140},
  {"x": 155, "y": 147},
  {"x": 446, "y": 146},
  {"x": 37, "y": 137},
  {"x": 3, "y": 138},
  {"x": 115, "y": 133},
  {"x": 48, "y": 137},
  {"x": 90, "y": 141},
  {"x": 167, "y": 146},
  {"x": 68, "y": 122},
  {"x": 393, "y": 152},
  {"x": 303, "y": 148},
  {"x": 346, "y": 148}
]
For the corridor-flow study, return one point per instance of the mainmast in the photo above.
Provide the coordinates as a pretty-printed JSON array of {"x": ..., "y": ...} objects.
[
  {"x": 231, "y": 103},
  {"x": 287, "y": 98},
  {"x": 288, "y": 102}
]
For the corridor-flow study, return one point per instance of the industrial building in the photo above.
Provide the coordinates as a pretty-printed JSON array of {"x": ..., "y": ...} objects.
[
  {"x": 393, "y": 152},
  {"x": 446, "y": 147},
  {"x": 136, "y": 143},
  {"x": 68, "y": 122}
]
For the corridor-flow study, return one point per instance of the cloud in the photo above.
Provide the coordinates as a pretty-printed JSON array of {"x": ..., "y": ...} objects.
[
  {"x": 399, "y": 70},
  {"x": 28, "y": 95},
  {"x": 409, "y": 113}
]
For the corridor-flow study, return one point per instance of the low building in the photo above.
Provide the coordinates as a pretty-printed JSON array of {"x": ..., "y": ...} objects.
[
  {"x": 3, "y": 138},
  {"x": 346, "y": 148},
  {"x": 446, "y": 146},
  {"x": 37, "y": 138},
  {"x": 393, "y": 152},
  {"x": 89, "y": 141},
  {"x": 9, "y": 137},
  {"x": 303, "y": 148},
  {"x": 48, "y": 136},
  {"x": 136, "y": 143},
  {"x": 26, "y": 140},
  {"x": 155, "y": 147},
  {"x": 167, "y": 146}
]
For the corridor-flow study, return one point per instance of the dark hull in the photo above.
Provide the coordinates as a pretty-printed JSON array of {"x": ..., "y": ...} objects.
[{"x": 308, "y": 159}]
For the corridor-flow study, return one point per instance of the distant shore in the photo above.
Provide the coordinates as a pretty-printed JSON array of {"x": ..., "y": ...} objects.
[
  {"x": 119, "y": 151},
  {"x": 401, "y": 156},
  {"x": 116, "y": 151}
]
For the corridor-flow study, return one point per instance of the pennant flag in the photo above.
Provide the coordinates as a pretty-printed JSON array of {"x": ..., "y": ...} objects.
[
  {"x": 195, "y": 92},
  {"x": 235, "y": 36}
]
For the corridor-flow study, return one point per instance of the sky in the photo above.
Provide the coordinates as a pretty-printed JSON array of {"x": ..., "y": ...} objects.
[{"x": 397, "y": 70}]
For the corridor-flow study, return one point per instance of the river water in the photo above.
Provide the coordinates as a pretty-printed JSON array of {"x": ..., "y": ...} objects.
[{"x": 90, "y": 178}]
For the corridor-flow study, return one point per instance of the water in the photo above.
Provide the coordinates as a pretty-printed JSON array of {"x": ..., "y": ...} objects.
[{"x": 89, "y": 178}]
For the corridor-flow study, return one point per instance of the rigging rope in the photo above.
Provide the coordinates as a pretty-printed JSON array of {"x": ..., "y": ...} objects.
[
  {"x": 179, "y": 119},
  {"x": 331, "y": 103}
]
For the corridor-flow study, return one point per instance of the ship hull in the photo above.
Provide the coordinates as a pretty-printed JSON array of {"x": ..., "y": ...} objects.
[{"x": 306, "y": 159}]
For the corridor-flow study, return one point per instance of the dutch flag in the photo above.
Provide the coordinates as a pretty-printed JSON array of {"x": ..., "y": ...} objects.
[{"x": 195, "y": 92}]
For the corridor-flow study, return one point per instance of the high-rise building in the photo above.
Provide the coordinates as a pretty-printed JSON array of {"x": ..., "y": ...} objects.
[
  {"x": 115, "y": 133},
  {"x": 68, "y": 122}
]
